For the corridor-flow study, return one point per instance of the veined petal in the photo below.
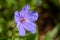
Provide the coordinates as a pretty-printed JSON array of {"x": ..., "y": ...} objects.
[
  {"x": 33, "y": 16},
  {"x": 27, "y": 7},
  {"x": 24, "y": 11},
  {"x": 21, "y": 29},
  {"x": 30, "y": 26},
  {"x": 16, "y": 16}
]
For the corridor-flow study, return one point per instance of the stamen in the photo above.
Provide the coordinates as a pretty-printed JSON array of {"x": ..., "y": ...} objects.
[{"x": 22, "y": 20}]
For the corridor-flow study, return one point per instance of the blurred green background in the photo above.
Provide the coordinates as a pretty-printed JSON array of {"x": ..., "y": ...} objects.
[{"x": 48, "y": 23}]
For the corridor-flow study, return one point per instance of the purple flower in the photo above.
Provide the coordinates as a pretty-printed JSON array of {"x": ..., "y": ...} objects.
[{"x": 25, "y": 20}]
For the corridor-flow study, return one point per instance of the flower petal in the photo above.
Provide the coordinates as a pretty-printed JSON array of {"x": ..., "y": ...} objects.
[
  {"x": 21, "y": 29},
  {"x": 33, "y": 16},
  {"x": 27, "y": 7},
  {"x": 30, "y": 26},
  {"x": 24, "y": 11},
  {"x": 16, "y": 16}
]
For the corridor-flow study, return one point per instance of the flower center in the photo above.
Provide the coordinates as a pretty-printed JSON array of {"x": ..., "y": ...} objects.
[{"x": 23, "y": 20}]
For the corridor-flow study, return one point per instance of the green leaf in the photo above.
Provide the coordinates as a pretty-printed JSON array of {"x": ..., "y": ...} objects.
[
  {"x": 51, "y": 34},
  {"x": 10, "y": 3}
]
